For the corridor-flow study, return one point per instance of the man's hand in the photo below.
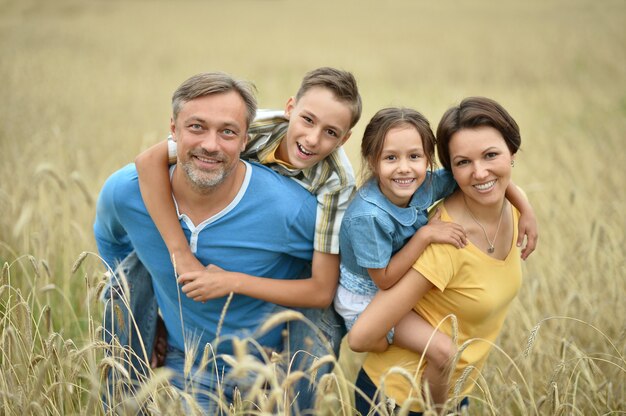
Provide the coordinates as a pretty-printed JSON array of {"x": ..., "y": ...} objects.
[{"x": 210, "y": 283}]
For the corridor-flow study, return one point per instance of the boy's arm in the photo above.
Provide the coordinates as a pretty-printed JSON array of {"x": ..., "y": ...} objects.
[
  {"x": 527, "y": 222},
  {"x": 316, "y": 291},
  {"x": 436, "y": 231},
  {"x": 156, "y": 190}
]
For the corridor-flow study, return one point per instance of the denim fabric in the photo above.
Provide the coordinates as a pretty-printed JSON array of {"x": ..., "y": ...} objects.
[
  {"x": 374, "y": 229},
  {"x": 129, "y": 322},
  {"x": 318, "y": 335}
]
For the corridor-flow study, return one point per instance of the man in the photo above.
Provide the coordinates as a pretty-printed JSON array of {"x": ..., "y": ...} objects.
[{"x": 242, "y": 217}]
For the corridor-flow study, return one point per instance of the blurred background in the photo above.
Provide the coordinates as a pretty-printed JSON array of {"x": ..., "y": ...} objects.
[{"x": 86, "y": 85}]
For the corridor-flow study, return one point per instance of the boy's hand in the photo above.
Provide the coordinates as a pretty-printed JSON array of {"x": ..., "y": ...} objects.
[
  {"x": 444, "y": 232},
  {"x": 184, "y": 262},
  {"x": 527, "y": 227},
  {"x": 210, "y": 283}
]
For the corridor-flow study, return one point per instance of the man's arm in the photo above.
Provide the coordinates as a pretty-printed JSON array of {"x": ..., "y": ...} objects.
[
  {"x": 316, "y": 291},
  {"x": 111, "y": 238}
]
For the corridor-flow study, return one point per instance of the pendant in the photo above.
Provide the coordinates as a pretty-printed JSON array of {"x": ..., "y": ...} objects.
[{"x": 491, "y": 250}]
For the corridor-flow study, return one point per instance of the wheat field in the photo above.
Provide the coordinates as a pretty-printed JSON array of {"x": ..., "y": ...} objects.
[{"x": 86, "y": 85}]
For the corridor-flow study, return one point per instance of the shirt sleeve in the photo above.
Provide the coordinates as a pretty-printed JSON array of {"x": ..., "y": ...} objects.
[
  {"x": 436, "y": 265},
  {"x": 443, "y": 184},
  {"x": 111, "y": 239},
  {"x": 371, "y": 241},
  {"x": 332, "y": 202},
  {"x": 172, "y": 155}
]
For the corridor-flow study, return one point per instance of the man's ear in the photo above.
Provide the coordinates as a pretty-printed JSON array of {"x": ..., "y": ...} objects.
[
  {"x": 173, "y": 128},
  {"x": 291, "y": 103},
  {"x": 244, "y": 141}
]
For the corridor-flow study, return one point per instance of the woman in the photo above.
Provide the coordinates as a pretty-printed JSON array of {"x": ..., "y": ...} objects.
[{"x": 477, "y": 141}]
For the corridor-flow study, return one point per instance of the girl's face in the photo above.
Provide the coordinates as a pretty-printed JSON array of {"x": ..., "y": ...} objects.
[
  {"x": 481, "y": 164},
  {"x": 402, "y": 165}
]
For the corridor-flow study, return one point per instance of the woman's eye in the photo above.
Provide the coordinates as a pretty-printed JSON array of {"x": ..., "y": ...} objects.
[
  {"x": 462, "y": 162},
  {"x": 491, "y": 155}
]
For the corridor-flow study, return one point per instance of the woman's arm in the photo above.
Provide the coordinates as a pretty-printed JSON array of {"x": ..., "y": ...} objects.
[
  {"x": 316, "y": 291},
  {"x": 156, "y": 190},
  {"x": 386, "y": 310},
  {"x": 436, "y": 231},
  {"x": 527, "y": 226}
]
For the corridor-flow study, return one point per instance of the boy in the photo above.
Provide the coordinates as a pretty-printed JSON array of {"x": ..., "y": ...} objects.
[{"x": 304, "y": 143}]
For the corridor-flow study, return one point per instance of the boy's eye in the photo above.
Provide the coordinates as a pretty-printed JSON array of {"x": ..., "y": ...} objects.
[{"x": 307, "y": 119}]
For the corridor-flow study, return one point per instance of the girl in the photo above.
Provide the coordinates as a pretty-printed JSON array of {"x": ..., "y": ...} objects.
[{"x": 386, "y": 229}]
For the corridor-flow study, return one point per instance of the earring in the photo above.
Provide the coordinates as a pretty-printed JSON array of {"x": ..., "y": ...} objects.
[{"x": 513, "y": 163}]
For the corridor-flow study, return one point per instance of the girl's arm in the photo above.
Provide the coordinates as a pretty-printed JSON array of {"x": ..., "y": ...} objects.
[
  {"x": 527, "y": 226},
  {"x": 156, "y": 190},
  {"x": 385, "y": 311},
  {"x": 436, "y": 231},
  {"x": 316, "y": 291}
]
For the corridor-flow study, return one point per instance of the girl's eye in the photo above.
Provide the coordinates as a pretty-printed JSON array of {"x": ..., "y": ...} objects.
[
  {"x": 331, "y": 132},
  {"x": 416, "y": 156},
  {"x": 307, "y": 119},
  {"x": 390, "y": 157}
]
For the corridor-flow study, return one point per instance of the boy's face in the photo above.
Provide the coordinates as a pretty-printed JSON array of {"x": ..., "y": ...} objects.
[{"x": 318, "y": 124}]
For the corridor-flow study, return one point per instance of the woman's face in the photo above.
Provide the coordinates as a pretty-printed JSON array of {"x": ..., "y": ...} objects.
[{"x": 481, "y": 164}]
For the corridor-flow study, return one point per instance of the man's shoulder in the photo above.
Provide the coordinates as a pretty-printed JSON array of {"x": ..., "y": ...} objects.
[
  {"x": 274, "y": 181},
  {"x": 122, "y": 183}
]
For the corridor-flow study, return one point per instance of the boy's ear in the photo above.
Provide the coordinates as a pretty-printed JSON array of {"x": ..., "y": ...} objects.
[
  {"x": 173, "y": 128},
  {"x": 346, "y": 137},
  {"x": 291, "y": 103}
]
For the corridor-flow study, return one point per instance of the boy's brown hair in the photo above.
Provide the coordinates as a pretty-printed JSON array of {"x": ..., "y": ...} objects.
[{"x": 341, "y": 83}]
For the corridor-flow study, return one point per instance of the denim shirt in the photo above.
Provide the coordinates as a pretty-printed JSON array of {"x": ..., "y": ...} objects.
[{"x": 374, "y": 229}]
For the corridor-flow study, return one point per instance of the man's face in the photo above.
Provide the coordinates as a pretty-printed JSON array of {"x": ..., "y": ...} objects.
[
  {"x": 318, "y": 124},
  {"x": 210, "y": 133}
]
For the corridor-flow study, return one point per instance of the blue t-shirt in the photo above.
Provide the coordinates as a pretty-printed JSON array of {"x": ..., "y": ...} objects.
[
  {"x": 267, "y": 231},
  {"x": 374, "y": 228}
]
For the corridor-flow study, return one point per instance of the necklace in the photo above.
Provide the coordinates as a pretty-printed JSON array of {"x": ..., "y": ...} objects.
[{"x": 491, "y": 243}]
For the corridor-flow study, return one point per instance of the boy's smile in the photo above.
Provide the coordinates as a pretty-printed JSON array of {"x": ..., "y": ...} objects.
[{"x": 318, "y": 124}]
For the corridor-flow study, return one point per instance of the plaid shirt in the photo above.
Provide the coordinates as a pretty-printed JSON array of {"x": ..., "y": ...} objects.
[{"x": 331, "y": 180}]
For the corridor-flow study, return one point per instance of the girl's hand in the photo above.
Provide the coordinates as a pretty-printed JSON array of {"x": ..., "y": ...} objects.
[
  {"x": 210, "y": 283},
  {"x": 527, "y": 227},
  {"x": 445, "y": 232}
]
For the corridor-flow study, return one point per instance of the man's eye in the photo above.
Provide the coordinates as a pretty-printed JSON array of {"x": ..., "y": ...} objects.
[
  {"x": 229, "y": 132},
  {"x": 195, "y": 126}
]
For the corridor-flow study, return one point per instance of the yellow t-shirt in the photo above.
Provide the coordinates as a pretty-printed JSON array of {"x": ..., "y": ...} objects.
[{"x": 473, "y": 286}]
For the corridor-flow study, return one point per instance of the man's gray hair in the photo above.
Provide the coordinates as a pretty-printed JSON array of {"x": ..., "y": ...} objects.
[{"x": 208, "y": 83}]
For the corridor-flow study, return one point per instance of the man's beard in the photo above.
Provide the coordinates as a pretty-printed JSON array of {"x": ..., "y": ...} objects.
[{"x": 201, "y": 180}]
